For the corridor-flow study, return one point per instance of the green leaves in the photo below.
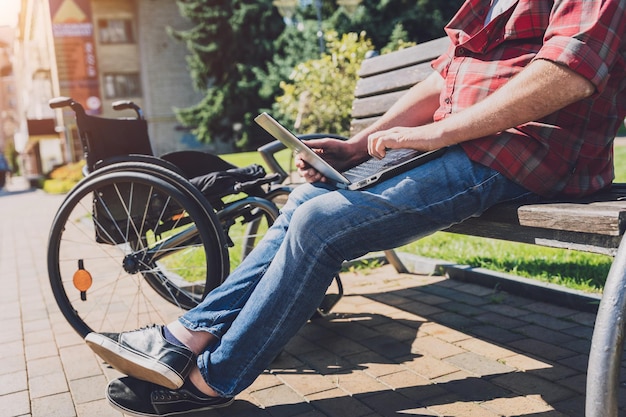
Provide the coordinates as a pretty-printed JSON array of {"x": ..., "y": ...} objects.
[{"x": 318, "y": 96}]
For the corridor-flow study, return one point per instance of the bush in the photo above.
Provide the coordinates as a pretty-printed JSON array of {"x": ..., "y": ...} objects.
[
  {"x": 64, "y": 178},
  {"x": 319, "y": 96}
]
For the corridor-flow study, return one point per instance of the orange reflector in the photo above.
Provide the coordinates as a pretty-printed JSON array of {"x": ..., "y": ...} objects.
[{"x": 82, "y": 280}]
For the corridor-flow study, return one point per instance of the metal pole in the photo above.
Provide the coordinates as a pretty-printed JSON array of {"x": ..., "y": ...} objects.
[
  {"x": 320, "y": 33},
  {"x": 607, "y": 342}
]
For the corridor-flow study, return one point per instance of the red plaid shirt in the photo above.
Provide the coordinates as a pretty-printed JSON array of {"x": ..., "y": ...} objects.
[{"x": 569, "y": 152}]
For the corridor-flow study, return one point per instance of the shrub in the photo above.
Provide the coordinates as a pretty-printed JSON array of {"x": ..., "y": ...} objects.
[
  {"x": 63, "y": 178},
  {"x": 319, "y": 96}
]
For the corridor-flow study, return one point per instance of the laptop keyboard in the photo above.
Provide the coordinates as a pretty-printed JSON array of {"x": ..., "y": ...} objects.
[{"x": 373, "y": 165}]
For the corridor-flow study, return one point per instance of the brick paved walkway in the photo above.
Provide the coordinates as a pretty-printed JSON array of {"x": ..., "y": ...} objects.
[{"x": 397, "y": 344}]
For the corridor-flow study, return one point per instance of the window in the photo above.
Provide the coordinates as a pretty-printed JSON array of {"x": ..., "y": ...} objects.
[
  {"x": 116, "y": 31},
  {"x": 121, "y": 85}
]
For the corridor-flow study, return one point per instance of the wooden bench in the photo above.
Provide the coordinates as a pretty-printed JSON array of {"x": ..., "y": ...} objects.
[{"x": 595, "y": 224}]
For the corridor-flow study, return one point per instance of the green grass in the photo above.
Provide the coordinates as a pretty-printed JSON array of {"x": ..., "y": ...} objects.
[{"x": 573, "y": 269}]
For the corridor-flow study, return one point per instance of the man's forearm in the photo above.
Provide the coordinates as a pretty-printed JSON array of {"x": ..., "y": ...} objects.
[
  {"x": 415, "y": 108},
  {"x": 541, "y": 89}
]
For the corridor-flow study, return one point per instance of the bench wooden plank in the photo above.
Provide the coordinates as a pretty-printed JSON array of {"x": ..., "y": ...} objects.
[
  {"x": 424, "y": 52},
  {"x": 374, "y": 106},
  {"x": 508, "y": 231},
  {"x": 401, "y": 79},
  {"x": 598, "y": 218}
]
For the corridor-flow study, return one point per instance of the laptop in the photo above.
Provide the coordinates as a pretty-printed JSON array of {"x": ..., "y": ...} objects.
[{"x": 363, "y": 175}]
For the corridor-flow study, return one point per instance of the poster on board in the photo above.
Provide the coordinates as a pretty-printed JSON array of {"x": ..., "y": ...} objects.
[{"x": 73, "y": 32}]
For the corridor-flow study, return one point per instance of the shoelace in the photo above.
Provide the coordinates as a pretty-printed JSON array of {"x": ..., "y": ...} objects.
[{"x": 169, "y": 395}]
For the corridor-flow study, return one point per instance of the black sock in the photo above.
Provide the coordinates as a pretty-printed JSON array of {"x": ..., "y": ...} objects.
[
  {"x": 171, "y": 338},
  {"x": 189, "y": 386}
]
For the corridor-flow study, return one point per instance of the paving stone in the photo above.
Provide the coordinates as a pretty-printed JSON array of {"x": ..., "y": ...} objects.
[
  {"x": 542, "y": 349},
  {"x": 412, "y": 385},
  {"x": 47, "y": 385},
  {"x": 100, "y": 408},
  {"x": 282, "y": 401},
  {"x": 549, "y": 322},
  {"x": 444, "y": 332},
  {"x": 357, "y": 382},
  {"x": 470, "y": 388},
  {"x": 13, "y": 382},
  {"x": 375, "y": 364},
  {"x": 486, "y": 349},
  {"x": 541, "y": 333},
  {"x": 389, "y": 403},
  {"x": 516, "y": 406},
  {"x": 431, "y": 368},
  {"x": 497, "y": 334},
  {"x": 435, "y": 347},
  {"x": 505, "y": 310},
  {"x": 86, "y": 390},
  {"x": 336, "y": 403},
  {"x": 478, "y": 365},
  {"x": 80, "y": 362},
  {"x": 59, "y": 405},
  {"x": 499, "y": 320},
  {"x": 306, "y": 382},
  {"x": 462, "y": 408},
  {"x": 15, "y": 404},
  {"x": 529, "y": 385}
]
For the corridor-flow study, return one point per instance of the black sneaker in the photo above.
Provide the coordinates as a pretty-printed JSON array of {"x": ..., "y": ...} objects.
[
  {"x": 144, "y": 354},
  {"x": 145, "y": 399}
]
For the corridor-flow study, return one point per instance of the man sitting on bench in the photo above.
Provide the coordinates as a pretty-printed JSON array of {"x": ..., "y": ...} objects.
[{"x": 527, "y": 100}]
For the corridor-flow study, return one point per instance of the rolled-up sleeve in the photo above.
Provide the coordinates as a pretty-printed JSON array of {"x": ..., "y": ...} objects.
[{"x": 586, "y": 37}]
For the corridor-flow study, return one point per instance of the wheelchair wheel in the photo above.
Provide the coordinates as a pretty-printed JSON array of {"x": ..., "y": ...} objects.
[{"x": 127, "y": 249}]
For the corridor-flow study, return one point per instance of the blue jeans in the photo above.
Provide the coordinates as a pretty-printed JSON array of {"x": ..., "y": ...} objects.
[{"x": 277, "y": 288}]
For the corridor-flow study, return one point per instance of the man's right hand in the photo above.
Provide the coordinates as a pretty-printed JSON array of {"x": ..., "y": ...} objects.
[{"x": 338, "y": 153}]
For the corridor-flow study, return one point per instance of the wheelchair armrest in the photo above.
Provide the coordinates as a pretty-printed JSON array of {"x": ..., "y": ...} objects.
[{"x": 269, "y": 150}]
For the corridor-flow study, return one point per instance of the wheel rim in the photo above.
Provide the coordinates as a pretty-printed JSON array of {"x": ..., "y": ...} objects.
[{"x": 135, "y": 281}]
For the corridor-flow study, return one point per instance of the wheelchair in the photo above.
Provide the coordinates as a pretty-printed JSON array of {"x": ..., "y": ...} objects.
[{"x": 140, "y": 239}]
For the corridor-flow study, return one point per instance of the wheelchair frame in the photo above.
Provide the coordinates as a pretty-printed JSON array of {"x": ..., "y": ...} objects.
[{"x": 126, "y": 238}]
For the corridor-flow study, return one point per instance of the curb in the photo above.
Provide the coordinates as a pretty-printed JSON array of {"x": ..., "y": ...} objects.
[{"x": 515, "y": 285}]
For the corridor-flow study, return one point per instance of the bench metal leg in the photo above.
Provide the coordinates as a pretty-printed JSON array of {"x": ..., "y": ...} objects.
[
  {"x": 608, "y": 342},
  {"x": 393, "y": 259}
]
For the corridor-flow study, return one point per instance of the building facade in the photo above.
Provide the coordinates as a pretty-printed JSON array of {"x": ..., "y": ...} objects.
[
  {"x": 8, "y": 91},
  {"x": 99, "y": 52}
]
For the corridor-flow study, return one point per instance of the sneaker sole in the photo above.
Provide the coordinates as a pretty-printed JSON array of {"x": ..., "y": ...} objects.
[
  {"x": 130, "y": 412},
  {"x": 133, "y": 363}
]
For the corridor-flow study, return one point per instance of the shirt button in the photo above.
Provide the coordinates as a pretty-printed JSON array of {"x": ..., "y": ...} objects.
[
  {"x": 461, "y": 51},
  {"x": 447, "y": 100}
]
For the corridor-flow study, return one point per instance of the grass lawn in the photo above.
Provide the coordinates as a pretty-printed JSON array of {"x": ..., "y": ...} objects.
[{"x": 578, "y": 270}]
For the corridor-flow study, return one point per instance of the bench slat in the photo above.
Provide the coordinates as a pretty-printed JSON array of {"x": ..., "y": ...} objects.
[
  {"x": 401, "y": 79},
  {"x": 374, "y": 106},
  {"x": 563, "y": 239},
  {"x": 424, "y": 52},
  {"x": 600, "y": 218}
]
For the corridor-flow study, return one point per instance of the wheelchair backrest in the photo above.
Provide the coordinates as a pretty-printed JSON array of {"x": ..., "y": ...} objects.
[{"x": 104, "y": 138}]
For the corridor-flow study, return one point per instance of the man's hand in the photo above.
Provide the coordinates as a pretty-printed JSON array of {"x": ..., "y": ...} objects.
[
  {"x": 338, "y": 153},
  {"x": 421, "y": 138}
]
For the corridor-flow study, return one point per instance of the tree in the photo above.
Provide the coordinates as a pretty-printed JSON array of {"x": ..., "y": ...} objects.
[
  {"x": 241, "y": 52},
  {"x": 230, "y": 42},
  {"x": 422, "y": 19}
]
